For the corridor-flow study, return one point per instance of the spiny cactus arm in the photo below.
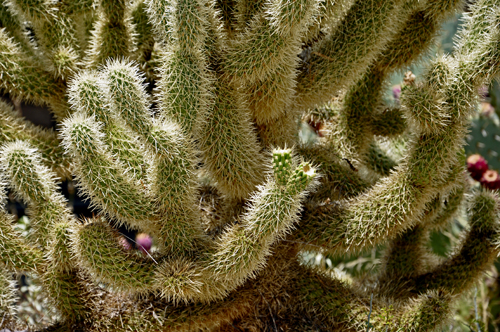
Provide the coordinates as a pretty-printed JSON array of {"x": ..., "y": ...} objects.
[
  {"x": 331, "y": 13},
  {"x": 15, "y": 253},
  {"x": 84, "y": 15},
  {"x": 428, "y": 312},
  {"x": 8, "y": 293},
  {"x": 15, "y": 29},
  {"x": 60, "y": 244},
  {"x": 156, "y": 313},
  {"x": 99, "y": 252},
  {"x": 417, "y": 34},
  {"x": 14, "y": 127},
  {"x": 23, "y": 79},
  {"x": 173, "y": 184},
  {"x": 144, "y": 31},
  {"x": 113, "y": 35},
  {"x": 172, "y": 181},
  {"x": 428, "y": 161},
  {"x": 227, "y": 11},
  {"x": 67, "y": 288},
  {"x": 217, "y": 37},
  {"x": 86, "y": 97},
  {"x": 231, "y": 152},
  {"x": 127, "y": 98},
  {"x": 408, "y": 255},
  {"x": 424, "y": 107},
  {"x": 147, "y": 49},
  {"x": 160, "y": 18},
  {"x": 389, "y": 122},
  {"x": 363, "y": 32},
  {"x": 397, "y": 207},
  {"x": 283, "y": 131},
  {"x": 55, "y": 31},
  {"x": 405, "y": 196},
  {"x": 477, "y": 251},
  {"x": 182, "y": 280},
  {"x": 414, "y": 38},
  {"x": 478, "y": 44},
  {"x": 238, "y": 254},
  {"x": 452, "y": 205},
  {"x": 353, "y": 133},
  {"x": 245, "y": 11},
  {"x": 35, "y": 184},
  {"x": 478, "y": 23},
  {"x": 172, "y": 178},
  {"x": 447, "y": 200},
  {"x": 241, "y": 250},
  {"x": 337, "y": 175},
  {"x": 329, "y": 300},
  {"x": 185, "y": 24},
  {"x": 269, "y": 98},
  {"x": 76, "y": 7},
  {"x": 464, "y": 75},
  {"x": 379, "y": 161},
  {"x": 67, "y": 293},
  {"x": 32, "y": 181},
  {"x": 101, "y": 178},
  {"x": 272, "y": 39},
  {"x": 36, "y": 10},
  {"x": 52, "y": 222},
  {"x": 394, "y": 193},
  {"x": 8, "y": 298},
  {"x": 404, "y": 258},
  {"x": 183, "y": 91}
]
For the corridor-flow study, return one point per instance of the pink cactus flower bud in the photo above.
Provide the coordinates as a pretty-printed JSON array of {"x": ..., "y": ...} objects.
[
  {"x": 144, "y": 242},
  {"x": 476, "y": 165},
  {"x": 396, "y": 92},
  {"x": 125, "y": 244},
  {"x": 491, "y": 180}
]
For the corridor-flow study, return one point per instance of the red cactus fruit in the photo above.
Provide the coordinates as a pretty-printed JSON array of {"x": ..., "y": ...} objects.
[
  {"x": 476, "y": 165},
  {"x": 490, "y": 180},
  {"x": 144, "y": 242}
]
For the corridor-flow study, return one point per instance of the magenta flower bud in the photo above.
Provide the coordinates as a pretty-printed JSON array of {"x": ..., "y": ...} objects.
[
  {"x": 476, "y": 165},
  {"x": 125, "y": 244},
  {"x": 490, "y": 180},
  {"x": 396, "y": 92},
  {"x": 144, "y": 242}
]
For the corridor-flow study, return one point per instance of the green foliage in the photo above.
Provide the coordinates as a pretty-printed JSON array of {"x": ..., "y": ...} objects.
[{"x": 180, "y": 119}]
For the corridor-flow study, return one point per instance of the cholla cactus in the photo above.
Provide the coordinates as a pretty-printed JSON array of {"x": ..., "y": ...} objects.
[{"x": 161, "y": 104}]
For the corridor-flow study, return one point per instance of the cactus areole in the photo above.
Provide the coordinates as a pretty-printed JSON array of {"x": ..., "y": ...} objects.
[{"x": 179, "y": 120}]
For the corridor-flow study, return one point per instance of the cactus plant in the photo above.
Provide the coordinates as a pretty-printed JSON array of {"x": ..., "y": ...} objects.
[{"x": 161, "y": 104}]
